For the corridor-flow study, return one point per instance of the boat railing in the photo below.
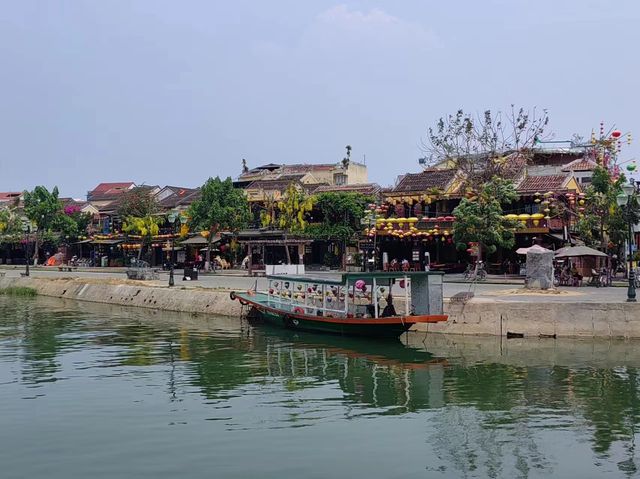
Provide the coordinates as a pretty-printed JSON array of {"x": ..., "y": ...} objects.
[{"x": 318, "y": 297}]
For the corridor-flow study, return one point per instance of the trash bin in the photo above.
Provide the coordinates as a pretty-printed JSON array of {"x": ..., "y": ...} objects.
[{"x": 104, "y": 261}]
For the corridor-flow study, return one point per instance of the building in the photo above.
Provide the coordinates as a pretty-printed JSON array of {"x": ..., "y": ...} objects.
[
  {"x": 10, "y": 198},
  {"x": 339, "y": 174},
  {"x": 175, "y": 197},
  {"x": 417, "y": 218}
]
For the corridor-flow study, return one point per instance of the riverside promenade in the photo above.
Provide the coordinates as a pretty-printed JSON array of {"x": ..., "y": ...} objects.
[{"x": 499, "y": 306}]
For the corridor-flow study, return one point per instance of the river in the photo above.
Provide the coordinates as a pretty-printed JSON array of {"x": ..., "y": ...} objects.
[{"x": 90, "y": 390}]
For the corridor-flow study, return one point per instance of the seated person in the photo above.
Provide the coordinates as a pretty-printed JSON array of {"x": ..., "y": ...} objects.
[
  {"x": 388, "y": 310},
  {"x": 575, "y": 274}
]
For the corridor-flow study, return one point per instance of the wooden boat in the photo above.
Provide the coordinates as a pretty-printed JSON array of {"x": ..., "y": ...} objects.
[{"x": 360, "y": 304}]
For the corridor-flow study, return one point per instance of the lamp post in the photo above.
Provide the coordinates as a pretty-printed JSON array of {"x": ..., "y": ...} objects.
[
  {"x": 624, "y": 200},
  {"x": 26, "y": 228},
  {"x": 172, "y": 219}
]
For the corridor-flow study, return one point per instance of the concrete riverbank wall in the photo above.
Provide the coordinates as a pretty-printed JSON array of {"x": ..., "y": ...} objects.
[
  {"x": 133, "y": 293},
  {"x": 479, "y": 316}
]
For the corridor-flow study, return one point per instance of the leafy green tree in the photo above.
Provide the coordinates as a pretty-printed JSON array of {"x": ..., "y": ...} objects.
[
  {"x": 339, "y": 214},
  {"x": 290, "y": 214},
  {"x": 146, "y": 226},
  {"x": 603, "y": 221},
  {"x": 72, "y": 223},
  {"x": 221, "y": 207},
  {"x": 10, "y": 224},
  {"x": 43, "y": 208},
  {"x": 480, "y": 218}
]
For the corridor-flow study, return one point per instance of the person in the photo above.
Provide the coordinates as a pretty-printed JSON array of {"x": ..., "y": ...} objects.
[
  {"x": 575, "y": 274},
  {"x": 199, "y": 261},
  {"x": 389, "y": 309},
  {"x": 405, "y": 264}
]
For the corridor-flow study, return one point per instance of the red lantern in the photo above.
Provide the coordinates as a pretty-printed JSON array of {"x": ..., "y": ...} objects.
[{"x": 616, "y": 133}]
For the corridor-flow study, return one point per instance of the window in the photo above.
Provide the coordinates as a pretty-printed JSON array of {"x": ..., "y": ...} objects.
[{"x": 340, "y": 179}]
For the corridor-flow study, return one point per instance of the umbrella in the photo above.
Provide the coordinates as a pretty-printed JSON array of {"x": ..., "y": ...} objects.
[
  {"x": 574, "y": 251},
  {"x": 535, "y": 248}
]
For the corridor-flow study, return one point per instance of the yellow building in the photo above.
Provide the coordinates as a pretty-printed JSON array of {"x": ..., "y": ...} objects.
[{"x": 268, "y": 182}]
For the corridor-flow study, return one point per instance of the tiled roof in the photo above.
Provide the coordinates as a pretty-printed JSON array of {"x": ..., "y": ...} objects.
[
  {"x": 427, "y": 180},
  {"x": 106, "y": 187},
  {"x": 364, "y": 188},
  {"x": 307, "y": 168},
  {"x": 106, "y": 191},
  {"x": 542, "y": 184},
  {"x": 271, "y": 185},
  {"x": 190, "y": 198},
  {"x": 175, "y": 198},
  {"x": 272, "y": 171},
  {"x": 581, "y": 164},
  {"x": 9, "y": 195}
]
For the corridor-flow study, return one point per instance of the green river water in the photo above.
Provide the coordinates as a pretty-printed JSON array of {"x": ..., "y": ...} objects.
[{"x": 93, "y": 391}]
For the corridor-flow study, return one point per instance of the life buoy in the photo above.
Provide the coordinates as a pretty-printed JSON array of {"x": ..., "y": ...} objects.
[{"x": 298, "y": 310}]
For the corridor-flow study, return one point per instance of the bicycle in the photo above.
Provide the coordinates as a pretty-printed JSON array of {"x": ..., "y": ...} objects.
[{"x": 475, "y": 272}]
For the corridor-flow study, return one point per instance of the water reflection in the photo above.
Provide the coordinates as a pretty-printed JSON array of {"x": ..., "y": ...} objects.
[{"x": 489, "y": 406}]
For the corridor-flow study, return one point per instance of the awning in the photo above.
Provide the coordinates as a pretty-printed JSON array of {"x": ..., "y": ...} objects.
[
  {"x": 574, "y": 241},
  {"x": 108, "y": 241},
  {"x": 575, "y": 251},
  {"x": 200, "y": 240},
  {"x": 84, "y": 241},
  {"x": 535, "y": 249},
  {"x": 177, "y": 248}
]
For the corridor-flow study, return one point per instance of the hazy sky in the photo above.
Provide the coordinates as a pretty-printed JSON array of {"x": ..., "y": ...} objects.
[{"x": 175, "y": 91}]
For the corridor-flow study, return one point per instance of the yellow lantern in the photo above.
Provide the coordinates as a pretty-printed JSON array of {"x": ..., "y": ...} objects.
[{"x": 536, "y": 217}]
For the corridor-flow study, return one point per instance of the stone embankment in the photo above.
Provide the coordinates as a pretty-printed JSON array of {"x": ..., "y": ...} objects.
[
  {"x": 479, "y": 316},
  {"x": 572, "y": 319},
  {"x": 133, "y": 293}
]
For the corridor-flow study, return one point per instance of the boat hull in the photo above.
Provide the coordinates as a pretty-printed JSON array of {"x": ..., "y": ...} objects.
[{"x": 391, "y": 327}]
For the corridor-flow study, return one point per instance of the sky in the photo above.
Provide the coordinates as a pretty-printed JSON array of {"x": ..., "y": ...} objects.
[{"x": 165, "y": 92}]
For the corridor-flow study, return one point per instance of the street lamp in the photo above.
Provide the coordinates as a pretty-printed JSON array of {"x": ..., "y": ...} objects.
[
  {"x": 172, "y": 219},
  {"x": 26, "y": 228},
  {"x": 623, "y": 200}
]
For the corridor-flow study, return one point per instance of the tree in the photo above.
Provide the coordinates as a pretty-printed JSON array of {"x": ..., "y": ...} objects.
[
  {"x": 479, "y": 146},
  {"x": 340, "y": 216},
  {"x": 480, "y": 219},
  {"x": 10, "y": 223},
  {"x": 146, "y": 226},
  {"x": 221, "y": 207},
  {"x": 137, "y": 202},
  {"x": 289, "y": 214},
  {"x": 603, "y": 221},
  {"x": 43, "y": 208},
  {"x": 72, "y": 223}
]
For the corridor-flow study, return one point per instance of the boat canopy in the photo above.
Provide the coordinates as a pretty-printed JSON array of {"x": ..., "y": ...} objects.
[
  {"x": 351, "y": 277},
  {"x": 358, "y": 294}
]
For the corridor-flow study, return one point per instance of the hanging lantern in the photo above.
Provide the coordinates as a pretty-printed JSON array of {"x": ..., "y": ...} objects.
[{"x": 616, "y": 133}]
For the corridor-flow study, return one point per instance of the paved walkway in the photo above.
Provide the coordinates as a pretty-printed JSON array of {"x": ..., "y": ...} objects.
[{"x": 495, "y": 288}]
